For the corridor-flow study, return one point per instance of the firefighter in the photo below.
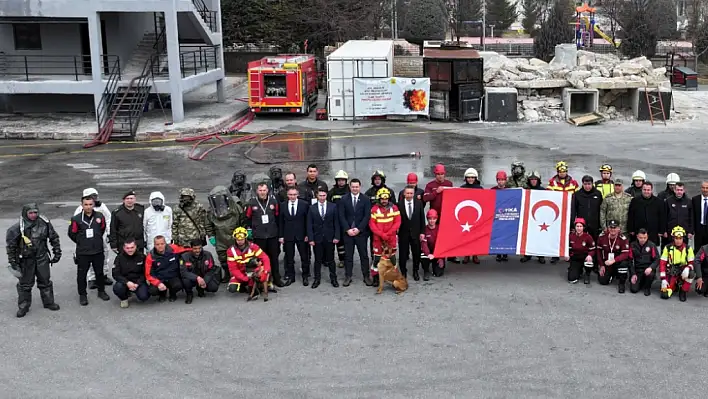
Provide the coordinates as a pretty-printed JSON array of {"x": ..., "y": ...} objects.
[
  {"x": 384, "y": 223},
  {"x": 340, "y": 189},
  {"x": 638, "y": 179},
  {"x": 562, "y": 181},
  {"x": 582, "y": 247},
  {"x": 502, "y": 181},
  {"x": 671, "y": 180},
  {"x": 412, "y": 180},
  {"x": 676, "y": 266},
  {"x": 472, "y": 179},
  {"x": 613, "y": 256},
  {"x": 533, "y": 182},
  {"x": 518, "y": 175},
  {"x": 245, "y": 273},
  {"x": 378, "y": 181},
  {"x": 605, "y": 185}
]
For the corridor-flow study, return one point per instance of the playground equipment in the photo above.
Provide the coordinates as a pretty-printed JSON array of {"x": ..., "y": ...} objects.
[{"x": 585, "y": 27}]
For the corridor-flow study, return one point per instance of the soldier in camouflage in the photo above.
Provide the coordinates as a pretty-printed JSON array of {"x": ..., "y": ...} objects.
[
  {"x": 518, "y": 175},
  {"x": 616, "y": 207},
  {"x": 224, "y": 216},
  {"x": 189, "y": 219}
]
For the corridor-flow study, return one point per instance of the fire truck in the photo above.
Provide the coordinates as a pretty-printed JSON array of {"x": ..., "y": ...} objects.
[{"x": 286, "y": 83}]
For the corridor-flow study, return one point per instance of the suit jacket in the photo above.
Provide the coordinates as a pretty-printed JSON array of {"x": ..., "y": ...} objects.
[
  {"x": 323, "y": 230},
  {"x": 697, "y": 210},
  {"x": 293, "y": 228},
  {"x": 414, "y": 226},
  {"x": 350, "y": 217}
]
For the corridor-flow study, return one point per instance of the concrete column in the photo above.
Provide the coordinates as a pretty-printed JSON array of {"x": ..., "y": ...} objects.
[
  {"x": 172, "y": 36},
  {"x": 220, "y": 95},
  {"x": 94, "y": 30}
]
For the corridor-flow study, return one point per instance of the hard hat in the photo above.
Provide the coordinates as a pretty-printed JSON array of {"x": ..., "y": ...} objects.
[
  {"x": 501, "y": 175},
  {"x": 581, "y": 221},
  {"x": 240, "y": 233},
  {"x": 471, "y": 172},
  {"x": 535, "y": 175},
  {"x": 379, "y": 173},
  {"x": 561, "y": 166},
  {"x": 432, "y": 214},
  {"x": 412, "y": 178},
  {"x": 639, "y": 175},
  {"x": 439, "y": 169},
  {"x": 678, "y": 231},
  {"x": 606, "y": 168},
  {"x": 383, "y": 193},
  {"x": 672, "y": 178},
  {"x": 341, "y": 175},
  {"x": 89, "y": 192}
]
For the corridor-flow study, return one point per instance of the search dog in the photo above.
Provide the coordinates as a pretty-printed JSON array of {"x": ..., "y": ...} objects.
[{"x": 389, "y": 272}]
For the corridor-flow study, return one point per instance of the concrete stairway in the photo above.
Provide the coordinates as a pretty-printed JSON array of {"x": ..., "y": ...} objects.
[{"x": 142, "y": 53}]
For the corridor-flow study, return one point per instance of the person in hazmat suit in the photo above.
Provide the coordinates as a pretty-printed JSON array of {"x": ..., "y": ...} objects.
[{"x": 223, "y": 217}]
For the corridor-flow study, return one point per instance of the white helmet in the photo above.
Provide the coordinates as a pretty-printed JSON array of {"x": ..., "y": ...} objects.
[
  {"x": 341, "y": 175},
  {"x": 672, "y": 178},
  {"x": 471, "y": 172},
  {"x": 639, "y": 175},
  {"x": 89, "y": 192}
]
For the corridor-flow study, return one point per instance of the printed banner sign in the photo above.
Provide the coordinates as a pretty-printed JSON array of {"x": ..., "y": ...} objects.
[{"x": 391, "y": 96}]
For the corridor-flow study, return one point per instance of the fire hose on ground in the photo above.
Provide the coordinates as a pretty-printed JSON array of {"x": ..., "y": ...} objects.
[{"x": 245, "y": 120}]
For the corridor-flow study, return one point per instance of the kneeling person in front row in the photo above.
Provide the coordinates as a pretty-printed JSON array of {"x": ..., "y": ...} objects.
[
  {"x": 129, "y": 274},
  {"x": 613, "y": 256},
  {"x": 249, "y": 266},
  {"x": 645, "y": 259},
  {"x": 162, "y": 269},
  {"x": 676, "y": 266},
  {"x": 198, "y": 270}
]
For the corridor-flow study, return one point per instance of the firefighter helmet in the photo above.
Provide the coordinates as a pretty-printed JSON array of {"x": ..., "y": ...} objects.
[
  {"x": 240, "y": 233},
  {"x": 471, "y": 172},
  {"x": 535, "y": 175},
  {"x": 678, "y": 231},
  {"x": 562, "y": 166},
  {"x": 672, "y": 178},
  {"x": 383, "y": 193},
  {"x": 501, "y": 175},
  {"x": 606, "y": 168},
  {"x": 341, "y": 175},
  {"x": 639, "y": 175}
]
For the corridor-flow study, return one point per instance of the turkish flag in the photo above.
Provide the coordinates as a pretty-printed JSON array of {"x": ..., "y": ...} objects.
[{"x": 466, "y": 221}]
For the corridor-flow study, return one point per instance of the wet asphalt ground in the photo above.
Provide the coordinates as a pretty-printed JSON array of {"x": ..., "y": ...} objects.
[{"x": 489, "y": 330}]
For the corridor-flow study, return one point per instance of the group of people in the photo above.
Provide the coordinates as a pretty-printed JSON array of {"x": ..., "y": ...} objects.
[{"x": 160, "y": 251}]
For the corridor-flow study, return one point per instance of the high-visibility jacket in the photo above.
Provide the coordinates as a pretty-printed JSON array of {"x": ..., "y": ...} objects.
[
  {"x": 385, "y": 221},
  {"x": 238, "y": 258},
  {"x": 675, "y": 258},
  {"x": 606, "y": 188},
  {"x": 567, "y": 184}
]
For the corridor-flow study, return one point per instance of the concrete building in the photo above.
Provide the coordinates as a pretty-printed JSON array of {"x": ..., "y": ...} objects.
[{"x": 107, "y": 56}]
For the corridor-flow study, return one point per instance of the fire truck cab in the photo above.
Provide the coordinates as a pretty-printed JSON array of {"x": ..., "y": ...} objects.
[{"x": 286, "y": 83}]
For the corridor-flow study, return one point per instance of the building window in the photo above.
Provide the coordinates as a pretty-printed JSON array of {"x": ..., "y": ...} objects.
[{"x": 27, "y": 37}]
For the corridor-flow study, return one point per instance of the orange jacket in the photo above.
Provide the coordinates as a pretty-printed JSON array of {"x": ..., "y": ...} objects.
[
  {"x": 384, "y": 221},
  {"x": 166, "y": 265},
  {"x": 237, "y": 260},
  {"x": 567, "y": 184}
]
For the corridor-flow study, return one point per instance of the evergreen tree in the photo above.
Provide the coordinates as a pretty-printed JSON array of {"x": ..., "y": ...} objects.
[
  {"x": 425, "y": 20},
  {"x": 501, "y": 14},
  {"x": 530, "y": 9},
  {"x": 554, "y": 31}
]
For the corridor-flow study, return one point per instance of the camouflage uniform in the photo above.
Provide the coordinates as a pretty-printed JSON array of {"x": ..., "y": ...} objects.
[
  {"x": 517, "y": 180},
  {"x": 617, "y": 208},
  {"x": 189, "y": 219},
  {"x": 221, "y": 227}
]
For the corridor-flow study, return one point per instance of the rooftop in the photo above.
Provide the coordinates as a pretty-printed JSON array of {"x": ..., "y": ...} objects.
[{"x": 364, "y": 49}]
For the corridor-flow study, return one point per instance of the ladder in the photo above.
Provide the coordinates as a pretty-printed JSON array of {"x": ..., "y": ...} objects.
[{"x": 655, "y": 104}]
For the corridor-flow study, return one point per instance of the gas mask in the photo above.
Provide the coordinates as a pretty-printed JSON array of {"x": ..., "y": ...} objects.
[
  {"x": 220, "y": 206},
  {"x": 238, "y": 183},
  {"x": 276, "y": 174},
  {"x": 518, "y": 170},
  {"x": 157, "y": 204},
  {"x": 185, "y": 200},
  {"x": 96, "y": 202}
]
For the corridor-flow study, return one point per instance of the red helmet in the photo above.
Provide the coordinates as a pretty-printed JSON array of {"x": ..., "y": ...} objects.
[
  {"x": 501, "y": 175},
  {"x": 439, "y": 169},
  {"x": 581, "y": 221},
  {"x": 412, "y": 178},
  {"x": 432, "y": 214}
]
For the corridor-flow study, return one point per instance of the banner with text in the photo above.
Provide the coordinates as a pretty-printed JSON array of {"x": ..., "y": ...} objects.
[{"x": 391, "y": 96}]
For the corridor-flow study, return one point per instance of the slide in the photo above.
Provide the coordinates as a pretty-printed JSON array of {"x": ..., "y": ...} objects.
[{"x": 604, "y": 36}]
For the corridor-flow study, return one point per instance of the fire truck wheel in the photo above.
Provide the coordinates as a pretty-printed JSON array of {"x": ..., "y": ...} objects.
[{"x": 306, "y": 107}]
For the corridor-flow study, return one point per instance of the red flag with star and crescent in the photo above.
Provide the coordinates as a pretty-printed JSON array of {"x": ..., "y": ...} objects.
[{"x": 512, "y": 221}]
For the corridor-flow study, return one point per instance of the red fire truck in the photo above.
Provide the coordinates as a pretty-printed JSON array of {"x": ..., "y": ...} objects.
[{"x": 283, "y": 83}]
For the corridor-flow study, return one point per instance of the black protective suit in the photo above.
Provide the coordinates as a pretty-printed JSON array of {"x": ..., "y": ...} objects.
[
  {"x": 28, "y": 253},
  {"x": 239, "y": 189},
  {"x": 276, "y": 181}
]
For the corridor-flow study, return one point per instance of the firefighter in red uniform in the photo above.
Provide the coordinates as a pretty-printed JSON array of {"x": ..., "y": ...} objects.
[
  {"x": 581, "y": 251},
  {"x": 384, "y": 223},
  {"x": 562, "y": 182},
  {"x": 676, "y": 266},
  {"x": 613, "y": 256},
  {"x": 248, "y": 265}
]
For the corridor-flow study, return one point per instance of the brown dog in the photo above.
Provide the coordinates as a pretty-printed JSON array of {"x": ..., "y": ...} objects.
[{"x": 389, "y": 272}]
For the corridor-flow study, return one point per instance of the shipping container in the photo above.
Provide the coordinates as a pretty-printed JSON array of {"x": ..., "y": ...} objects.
[
  {"x": 440, "y": 74},
  {"x": 355, "y": 59},
  {"x": 283, "y": 83}
]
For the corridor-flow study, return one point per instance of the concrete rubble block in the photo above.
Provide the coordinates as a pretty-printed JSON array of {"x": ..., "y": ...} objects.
[
  {"x": 578, "y": 102},
  {"x": 531, "y": 115},
  {"x": 539, "y": 63},
  {"x": 643, "y": 62},
  {"x": 566, "y": 54},
  {"x": 627, "y": 68},
  {"x": 576, "y": 78},
  {"x": 627, "y": 82},
  {"x": 540, "y": 84},
  {"x": 533, "y": 104}
]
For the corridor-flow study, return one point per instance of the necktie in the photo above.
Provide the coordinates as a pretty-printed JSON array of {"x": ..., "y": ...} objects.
[
  {"x": 705, "y": 210},
  {"x": 322, "y": 213},
  {"x": 292, "y": 209},
  {"x": 355, "y": 201},
  {"x": 410, "y": 209}
]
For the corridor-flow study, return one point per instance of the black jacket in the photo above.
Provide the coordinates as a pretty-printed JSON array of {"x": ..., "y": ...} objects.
[
  {"x": 476, "y": 184},
  {"x": 415, "y": 226},
  {"x": 586, "y": 204},
  {"x": 311, "y": 189},
  {"x": 321, "y": 230},
  {"x": 336, "y": 193},
  {"x": 127, "y": 223},
  {"x": 371, "y": 192},
  {"x": 254, "y": 217},
  {"x": 679, "y": 212},
  {"x": 191, "y": 266},
  {"x": 283, "y": 194},
  {"x": 647, "y": 213},
  {"x": 78, "y": 228},
  {"x": 40, "y": 232},
  {"x": 697, "y": 203},
  {"x": 293, "y": 227},
  {"x": 129, "y": 268},
  {"x": 350, "y": 218},
  {"x": 644, "y": 256},
  {"x": 634, "y": 191},
  {"x": 418, "y": 194}
]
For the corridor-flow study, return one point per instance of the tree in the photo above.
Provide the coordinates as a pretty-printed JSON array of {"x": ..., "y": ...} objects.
[
  {"x": 643, "y": 23},
  {"x": 554, "y": 31},
  {"x": 501, "y": 14},
  {"x": 611, "y": 10},
  {"x": 531, "y": 10},
  {"x": 464, "y": 15},
  {"x": 425, "y": 20},
  {"x": 246, "y": 27}
]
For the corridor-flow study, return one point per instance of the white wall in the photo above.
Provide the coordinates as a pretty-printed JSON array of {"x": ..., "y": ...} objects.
[
  {"x": 83, "y": 8},
  {"x": 57, "y": 40}
]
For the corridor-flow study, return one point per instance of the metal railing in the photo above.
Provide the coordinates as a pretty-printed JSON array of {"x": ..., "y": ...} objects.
[
  {"x": 209, "y": 17},
  {"x": 42, "y": 67},
  {"x": 109, "y": 93},
  {"x": 200, "y": 59}
]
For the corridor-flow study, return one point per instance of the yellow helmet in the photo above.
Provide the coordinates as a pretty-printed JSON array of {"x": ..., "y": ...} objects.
[
  {"x": 606, "y": 168},
  {"x": 240, "y": 233},
  {"x": 678, "y": 231},
  {"x": 561, "y": 166},
  {"x": 383, "y": 193}
]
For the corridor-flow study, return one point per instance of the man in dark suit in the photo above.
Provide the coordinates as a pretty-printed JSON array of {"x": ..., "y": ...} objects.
[
  {"x": 700, "y": 217},
  {"x": 354, "y": 214},
  {"x": 410, "y": 232},
  {"x": 324, "y": 233},
  {"x": 293, "y": 233}
]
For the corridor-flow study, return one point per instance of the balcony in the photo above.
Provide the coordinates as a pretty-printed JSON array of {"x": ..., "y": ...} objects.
[
  {"x": 34, "y": 68},
  {"x": 193, "y": 60}
]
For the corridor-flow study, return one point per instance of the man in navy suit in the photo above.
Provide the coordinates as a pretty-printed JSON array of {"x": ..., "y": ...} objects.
[
  {"x": 293, "y": 233},
  {"x": 324, "y": 233},
  {"x": 354, "y": 214}
]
